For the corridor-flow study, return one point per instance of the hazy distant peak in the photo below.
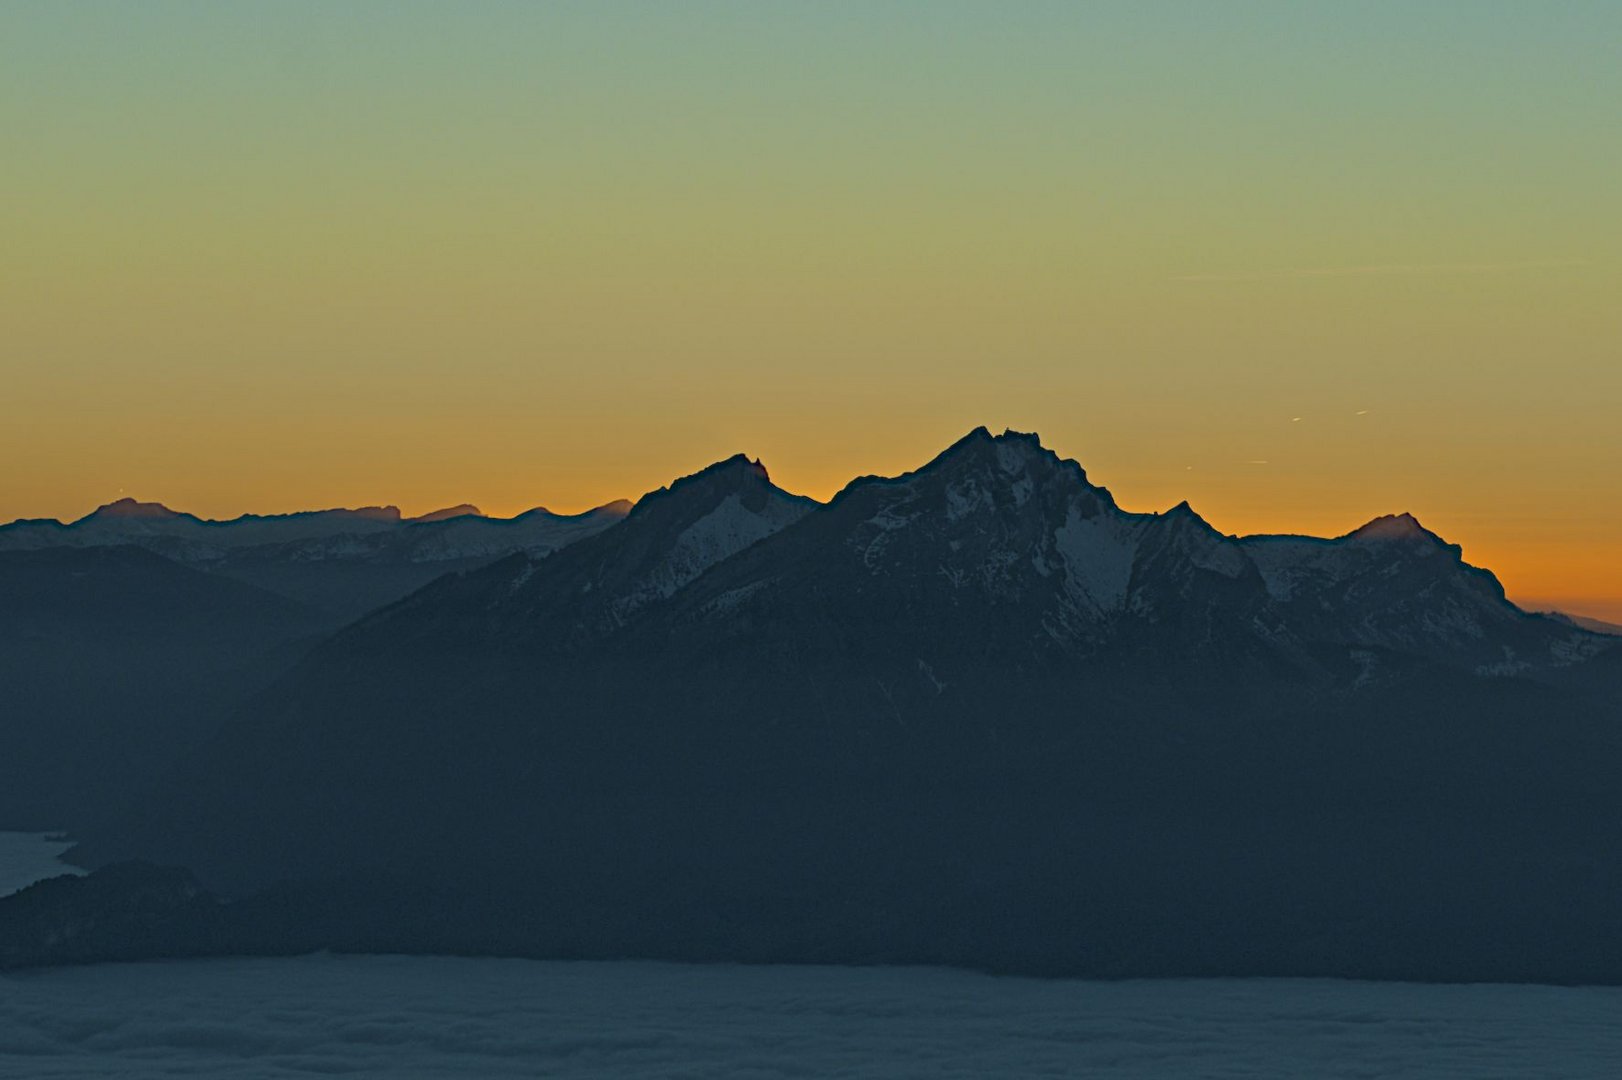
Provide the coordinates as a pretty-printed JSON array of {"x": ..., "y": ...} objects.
[
  {"x": 610, "y": 510},
  {"x": 1582, "y": 622},
  {"x": 390, "y": 514},
  {"x": 132, "y": 510},
  {"x": 1395, "y": 527},
  {"x": 449, "y": 512},
  {"x": 375, "y": 513}
]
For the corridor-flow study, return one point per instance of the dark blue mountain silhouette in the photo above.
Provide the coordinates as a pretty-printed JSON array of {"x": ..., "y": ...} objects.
[{"x": 975, "y": 714}]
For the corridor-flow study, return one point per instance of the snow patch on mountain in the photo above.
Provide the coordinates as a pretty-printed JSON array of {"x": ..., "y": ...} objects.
[
  {"x": 727, "y": 529},
  {"x": 1097, "y": 553},
  {"x": 1219, "y": 557},
  {"x": 525, "y": 572},
  {"x": 964, "y": 497},
  {"x": 733, "y": 598},
  {"x": 1577, "y": 648},
  {"x": 1285, "y": 563},
  {"x": 891, "y": 518}
]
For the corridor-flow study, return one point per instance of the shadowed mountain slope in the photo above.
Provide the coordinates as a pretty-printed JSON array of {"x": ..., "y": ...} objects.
[{"x": 114, "y": 658}]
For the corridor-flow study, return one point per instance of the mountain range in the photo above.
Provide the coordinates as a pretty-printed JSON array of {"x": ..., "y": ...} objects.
[
  {"x": 974, "y": 714},
  {"x": 130, "y": 633},
  {"x": 342, "y": 563},
  {"x": 1598, "y": 626}
]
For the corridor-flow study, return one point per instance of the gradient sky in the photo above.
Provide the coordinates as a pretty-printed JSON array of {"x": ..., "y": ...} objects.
[{"x": 282, "y": 255}]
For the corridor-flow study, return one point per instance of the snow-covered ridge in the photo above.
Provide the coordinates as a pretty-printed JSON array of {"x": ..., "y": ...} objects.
[
  {"x": 704, "y": 519},
  {"x": 1008, "y": 517}
]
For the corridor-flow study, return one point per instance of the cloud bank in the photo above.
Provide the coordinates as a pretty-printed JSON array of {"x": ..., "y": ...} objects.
[{"x": 440, "y": 1017}]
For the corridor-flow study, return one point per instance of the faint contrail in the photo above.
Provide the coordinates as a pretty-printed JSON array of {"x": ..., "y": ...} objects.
[{"x": 1388, "y": 269}]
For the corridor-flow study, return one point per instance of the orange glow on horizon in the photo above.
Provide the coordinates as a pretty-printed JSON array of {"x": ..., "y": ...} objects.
[{"x": 1299, "y": 268}]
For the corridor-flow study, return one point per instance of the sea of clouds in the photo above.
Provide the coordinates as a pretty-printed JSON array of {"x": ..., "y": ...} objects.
[{"x": 434, "y": 1017}]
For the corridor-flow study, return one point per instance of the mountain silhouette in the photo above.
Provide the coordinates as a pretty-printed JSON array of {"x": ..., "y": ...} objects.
[{"x": 973, "y": 714}]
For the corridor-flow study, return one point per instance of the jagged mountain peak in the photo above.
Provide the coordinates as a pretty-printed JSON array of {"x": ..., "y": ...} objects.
[
  {"x": 737, "y": 468},
  {"x": 738, "y": 464},
  {"x": 1008, "y": 449},
  {"x": 1018, "y": 454},
  {"x": 1014, "y": 463},
  {"x": 1204, "y": 545},
  {"x": 1183, "y": 511},
  {"x": 738, "y": 475}
]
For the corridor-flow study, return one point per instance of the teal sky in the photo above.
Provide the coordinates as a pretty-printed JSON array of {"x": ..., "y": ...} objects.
[{"x": 268, "y": 256}]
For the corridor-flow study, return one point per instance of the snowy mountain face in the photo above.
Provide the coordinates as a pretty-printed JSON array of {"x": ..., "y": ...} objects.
[
  {"x": 1394, "y": 585},
  {"x": 1007, "y": 522},
  {"x": 996, "y": 549},
  {"x": 668, "y": 539}
]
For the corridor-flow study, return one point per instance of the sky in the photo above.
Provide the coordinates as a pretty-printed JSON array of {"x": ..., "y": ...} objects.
[{"x": 1298, "y": 263}]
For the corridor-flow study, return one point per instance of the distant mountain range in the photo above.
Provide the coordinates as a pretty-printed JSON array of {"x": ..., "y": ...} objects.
[
  {"x": 340, "y": 562},
  {"x": 974, "y": 714},
  {"x": 135, "y": 630},
  {"x": 1598, "y": 626}
]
